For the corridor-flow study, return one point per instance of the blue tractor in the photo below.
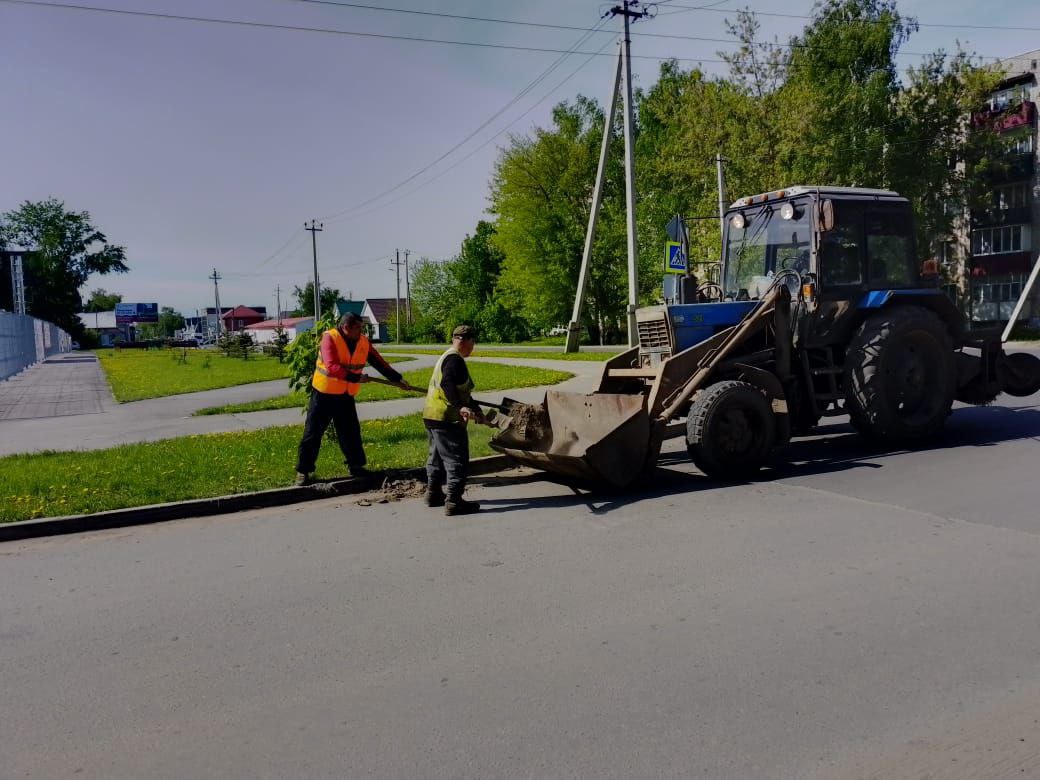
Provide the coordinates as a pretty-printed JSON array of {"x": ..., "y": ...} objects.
[{"x": 822, "y": 308}]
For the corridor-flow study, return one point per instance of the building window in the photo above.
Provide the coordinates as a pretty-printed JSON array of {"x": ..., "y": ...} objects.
[
  {"x": 1008, "y": 97},
  {"x": 1011, "y": 196},
  {"x": 1021, "y": 144},
  {"x": 1000, "y": 240}
]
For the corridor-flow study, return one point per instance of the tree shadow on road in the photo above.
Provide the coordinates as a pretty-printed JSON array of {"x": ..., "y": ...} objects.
[{"x": 833, "y": 448}]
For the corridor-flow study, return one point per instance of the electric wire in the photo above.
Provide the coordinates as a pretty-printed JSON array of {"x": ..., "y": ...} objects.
[
  {"x": 418, "y": 39},
  {"x": 866, "y": 21},
  {"x": 479, "y": 148},
  {"x": 526, "y": 90}
]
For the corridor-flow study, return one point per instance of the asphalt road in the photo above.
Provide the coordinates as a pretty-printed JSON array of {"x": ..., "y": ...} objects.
[{"x": 859, "y": 614}]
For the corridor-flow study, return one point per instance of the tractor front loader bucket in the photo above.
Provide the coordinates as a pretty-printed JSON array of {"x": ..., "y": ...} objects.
[{"x": 598, "y": 437}]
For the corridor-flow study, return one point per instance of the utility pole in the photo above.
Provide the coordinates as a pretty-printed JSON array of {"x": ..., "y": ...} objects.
[
  {"x": 278, "y": 298},
  {"x": 396, "y": 262},
  {"x": 216, "y": 295},
  {"x": 625, "y": 10},
  {"x": 628, "y": 11},
  {"x": 574, "y": 326},
  {"x": 719, "y": 160},
  {"x": 315, "y": 228},
  {"x": 407, "y": 287}
]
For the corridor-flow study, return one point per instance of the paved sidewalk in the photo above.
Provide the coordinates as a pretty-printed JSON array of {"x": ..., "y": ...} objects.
[
  {"x": 166, "y": 418},
  {"x": 61, "y": 385}
]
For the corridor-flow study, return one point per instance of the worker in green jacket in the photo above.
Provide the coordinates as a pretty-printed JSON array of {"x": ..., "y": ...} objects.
[{"x": 449, "y": 406}]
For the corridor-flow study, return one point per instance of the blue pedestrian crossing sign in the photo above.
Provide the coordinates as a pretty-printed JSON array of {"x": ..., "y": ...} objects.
[{"x": 674, "y": 258}]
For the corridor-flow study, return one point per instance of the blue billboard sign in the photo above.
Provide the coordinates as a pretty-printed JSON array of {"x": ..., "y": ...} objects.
[{"x": 129, "y": 313}]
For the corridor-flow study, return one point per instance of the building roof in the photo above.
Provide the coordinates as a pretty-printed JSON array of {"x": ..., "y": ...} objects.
[
  {"x": 801, "y": 189},
  {"x": 242, "y": 313},
  {"x": 343, "y": 306},
  {"x": 98, "y": 320},
  {"x": 1020, "y": 64},
  {"x": 287, "y": 322},
  {"x": 383, "y": 308}
]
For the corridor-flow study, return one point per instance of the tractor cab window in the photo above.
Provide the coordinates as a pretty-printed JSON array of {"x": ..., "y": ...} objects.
[
  {"x": 890, "y": 248},
  {"x": 760, "y": 242},
  {"x": 841, "y": 249}
]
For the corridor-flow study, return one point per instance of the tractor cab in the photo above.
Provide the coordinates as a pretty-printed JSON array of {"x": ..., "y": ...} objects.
[
  {"x": 845, "y": 241},
  {"x": 839, "y": 251}
]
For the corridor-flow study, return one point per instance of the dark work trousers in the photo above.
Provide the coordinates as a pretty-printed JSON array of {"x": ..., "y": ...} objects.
[
  {"x": 340, "y": 410},
  {"x": 448, "y": 462}
]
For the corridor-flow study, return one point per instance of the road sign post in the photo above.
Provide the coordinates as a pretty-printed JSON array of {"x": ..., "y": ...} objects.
[{"x": 674, "y": 258}]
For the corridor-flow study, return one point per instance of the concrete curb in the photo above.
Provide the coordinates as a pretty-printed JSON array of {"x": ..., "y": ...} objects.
[{"x": 203, "y": 507}]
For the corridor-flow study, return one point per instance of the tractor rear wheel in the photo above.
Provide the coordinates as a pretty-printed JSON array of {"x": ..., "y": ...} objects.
[
  {"x": 900, "y": 375},
  {"x": 730, "y": 430}
]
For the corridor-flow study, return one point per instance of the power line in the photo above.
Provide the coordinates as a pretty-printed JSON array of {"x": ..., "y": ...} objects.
[
  {"x": 541, "y": 77},
  {"x": 295, "y": 28},
  {"x": 479, "y": 148},
  {"x": 545, "y": 25},
  {"x": 862, "y": 21},
  {"x": 417, "y": 39}
]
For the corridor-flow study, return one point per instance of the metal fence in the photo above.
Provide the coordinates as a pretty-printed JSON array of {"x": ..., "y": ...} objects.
[{"x": 26, "y": 340}]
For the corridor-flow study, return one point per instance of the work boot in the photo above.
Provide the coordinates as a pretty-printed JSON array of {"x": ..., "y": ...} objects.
[
  {"x": 434, "y": 496},
  {"x": 361, "y": 472},
  {"x": 457, "y": 505},
  {"x": 302, "y": 479}
]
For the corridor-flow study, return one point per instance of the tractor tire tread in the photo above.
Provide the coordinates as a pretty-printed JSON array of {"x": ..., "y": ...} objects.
[{"x": 865, "y": 382}]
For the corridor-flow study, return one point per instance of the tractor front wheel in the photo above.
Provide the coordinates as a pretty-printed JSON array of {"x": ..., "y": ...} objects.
[
  {"x": 730, "y": 430},
  {"x": 900, "y": 375}
]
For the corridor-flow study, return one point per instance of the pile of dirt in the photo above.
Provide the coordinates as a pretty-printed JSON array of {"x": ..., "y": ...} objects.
[
  {"x": 394, "y": 490},
  {"x": 529, "y": 423}
]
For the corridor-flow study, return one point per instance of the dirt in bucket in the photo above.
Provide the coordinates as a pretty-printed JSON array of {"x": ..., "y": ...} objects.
[{"x": 529, "y": 423}]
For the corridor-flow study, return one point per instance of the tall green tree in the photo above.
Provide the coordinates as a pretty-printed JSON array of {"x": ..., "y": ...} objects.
[
  {"x": 102, "y": 300},
  {"x": 541, "y": 194},
  {"x": 170, "y": 321},
  {"x": 63, "y": 249},
  {"x": 305, "y": 299}
]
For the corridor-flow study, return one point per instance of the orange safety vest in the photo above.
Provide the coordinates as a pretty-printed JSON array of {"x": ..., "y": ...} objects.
[{"x": 356, "y": 362}]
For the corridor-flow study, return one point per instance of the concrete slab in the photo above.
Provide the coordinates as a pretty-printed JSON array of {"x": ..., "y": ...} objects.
[{"x": 60, "y": 386}]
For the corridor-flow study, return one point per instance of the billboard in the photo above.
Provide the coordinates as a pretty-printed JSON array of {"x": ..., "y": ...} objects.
[{"x": 127, "y": 313}]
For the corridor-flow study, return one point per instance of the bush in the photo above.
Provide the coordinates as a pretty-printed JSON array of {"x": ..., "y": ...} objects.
[{"x": 302, "y": 353}]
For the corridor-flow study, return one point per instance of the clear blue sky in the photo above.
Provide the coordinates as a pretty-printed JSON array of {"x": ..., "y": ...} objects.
[{"x": 202, "y": 145}]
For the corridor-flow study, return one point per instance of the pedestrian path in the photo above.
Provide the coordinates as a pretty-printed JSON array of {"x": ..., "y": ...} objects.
[
  {"x": 165, "y": 418},
  {"x": 62, "y": 385}
]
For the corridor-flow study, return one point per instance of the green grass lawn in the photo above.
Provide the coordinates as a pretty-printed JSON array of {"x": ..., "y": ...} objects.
[
  {"x": 482, "y": 351},
  {"x": 136, "y": 374},
  {"x": 63, "y": 483},
  {"x": 487, "y": 376}
]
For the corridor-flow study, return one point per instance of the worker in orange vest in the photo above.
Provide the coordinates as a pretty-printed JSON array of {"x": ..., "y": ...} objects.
[{"x": 338, "y": 375}]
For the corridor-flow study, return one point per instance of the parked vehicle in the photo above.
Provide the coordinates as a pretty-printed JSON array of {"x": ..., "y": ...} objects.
[{"x": 821, "y": 309}]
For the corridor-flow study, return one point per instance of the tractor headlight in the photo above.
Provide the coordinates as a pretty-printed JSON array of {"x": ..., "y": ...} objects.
[
  {"x": 737, "y": 221},
  {"x": 788, "y": 211}
]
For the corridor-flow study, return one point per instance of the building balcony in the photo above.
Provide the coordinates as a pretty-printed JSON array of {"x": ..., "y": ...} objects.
[
  {"x": 1001, "y": 265},
  {"x": 1022, "y": 115},
  {"x": 1018, "y": 215},
  {"x": 1012, "y": 168}
]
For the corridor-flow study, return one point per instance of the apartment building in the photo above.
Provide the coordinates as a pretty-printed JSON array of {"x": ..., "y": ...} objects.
[{"x": 1004, "y": 237}]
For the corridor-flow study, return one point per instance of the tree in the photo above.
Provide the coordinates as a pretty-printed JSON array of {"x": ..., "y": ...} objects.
[
  {"x": 170, "y": 321},
  {"x": 434, "y": 287},
  {"x": 63, "y": 249},
  {"x": 305, "y": 299},
  {"x": 281, "y": 341},
  {"x": 541, "y": 192},
  {"x": 303, "y": 353},
  {"x": 102, "y": 300}
]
